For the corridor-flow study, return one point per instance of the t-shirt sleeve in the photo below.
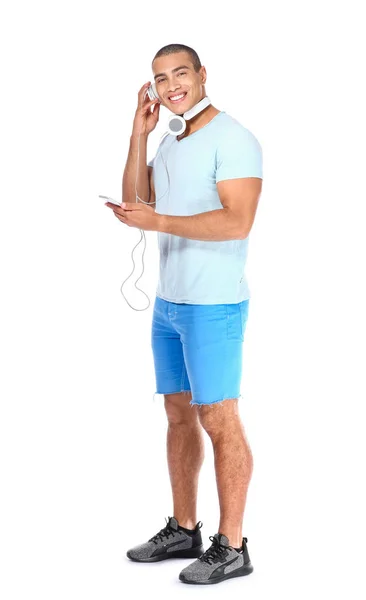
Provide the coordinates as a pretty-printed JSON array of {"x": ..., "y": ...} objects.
[
  {"x": 151, "y": 162},
  {"x": 239, "y": 154}
]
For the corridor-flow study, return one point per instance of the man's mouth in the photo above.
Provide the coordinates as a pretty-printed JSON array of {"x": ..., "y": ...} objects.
[{"x": 177, "y": 98}]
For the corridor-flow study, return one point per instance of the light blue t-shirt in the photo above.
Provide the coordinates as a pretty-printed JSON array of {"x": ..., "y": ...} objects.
[{"x": 185, "y": 174}]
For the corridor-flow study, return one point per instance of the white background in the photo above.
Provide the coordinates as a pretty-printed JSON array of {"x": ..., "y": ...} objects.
[{"x": 83, "y": 444}]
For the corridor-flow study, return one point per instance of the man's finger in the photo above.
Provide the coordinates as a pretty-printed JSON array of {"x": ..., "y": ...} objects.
[
  {"x": 131, "y": 206},
  {"x": 120, "y": 218},
  {"x": 111, "y": 205},
  {"x": 146, "y": 103},
  {"x": 142, "y": 93},
  {"x": 145, "y": 86}
]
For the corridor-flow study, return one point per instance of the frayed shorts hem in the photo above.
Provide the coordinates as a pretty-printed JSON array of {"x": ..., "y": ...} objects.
[
  {"x": 194, "y": 403},
  {"x": 168, "y": 393}
]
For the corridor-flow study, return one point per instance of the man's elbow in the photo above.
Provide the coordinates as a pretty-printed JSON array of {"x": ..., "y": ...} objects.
[{"x": 243, "y": 231}]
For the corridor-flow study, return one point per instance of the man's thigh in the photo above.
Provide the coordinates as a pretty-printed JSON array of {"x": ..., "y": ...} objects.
[
  {"x": 170, "y": 369},
  {"x": 198, "y": 349},
  {"x": 212, "y": 343}
]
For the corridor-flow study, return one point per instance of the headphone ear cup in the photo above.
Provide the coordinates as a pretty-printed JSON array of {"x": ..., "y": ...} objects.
[
  {"x": 152, "y": 93},
  {"x": 153, "y": 86},
  {"x": 176, "y": 125}
]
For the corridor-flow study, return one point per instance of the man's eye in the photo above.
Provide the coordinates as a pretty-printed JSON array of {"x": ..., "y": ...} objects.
[{"x": 181, "y": 73}]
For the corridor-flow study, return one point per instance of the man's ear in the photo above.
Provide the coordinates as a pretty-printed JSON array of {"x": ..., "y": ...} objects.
[{"x": 203, "y": 75}]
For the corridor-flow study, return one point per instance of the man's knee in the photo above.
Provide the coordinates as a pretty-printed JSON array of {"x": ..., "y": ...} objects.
[
  {"x": 217, "y": 418},
  {"x": 178, "y": 408}
]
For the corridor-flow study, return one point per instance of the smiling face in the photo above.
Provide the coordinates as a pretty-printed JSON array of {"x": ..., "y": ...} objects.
[{"x": 179, "y": 86}]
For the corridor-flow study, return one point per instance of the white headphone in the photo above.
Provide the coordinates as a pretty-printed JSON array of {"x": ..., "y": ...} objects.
[{"x": 177, "y": 123}]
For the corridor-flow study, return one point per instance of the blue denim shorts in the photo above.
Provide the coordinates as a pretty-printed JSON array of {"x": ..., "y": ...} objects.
[{"x": 198, "y": 348}]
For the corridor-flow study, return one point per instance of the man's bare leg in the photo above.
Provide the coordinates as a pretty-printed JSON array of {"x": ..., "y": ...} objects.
[
  {"x": 233, "y": 464},
  {"x": 185, "y": 450}
]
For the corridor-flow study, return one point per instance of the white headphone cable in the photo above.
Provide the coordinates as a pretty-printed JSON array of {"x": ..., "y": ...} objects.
[{"x": 143, "y": 237}]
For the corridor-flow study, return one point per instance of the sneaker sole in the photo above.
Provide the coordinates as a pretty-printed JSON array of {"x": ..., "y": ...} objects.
[
  {"x": 188, "y": 553},
  {"x": 244, "y": 570}
]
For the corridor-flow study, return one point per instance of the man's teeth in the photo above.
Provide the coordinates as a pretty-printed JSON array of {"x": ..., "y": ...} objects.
[{"x": 177, "y": 97}]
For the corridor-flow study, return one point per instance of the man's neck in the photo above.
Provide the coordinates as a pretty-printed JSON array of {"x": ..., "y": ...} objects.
[{"x": 199, "y": 120}]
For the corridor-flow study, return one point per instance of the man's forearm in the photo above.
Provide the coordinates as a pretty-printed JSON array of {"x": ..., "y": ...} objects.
[
  {"x": 214, "y": 225},
  {"x": 129, "y": 175}
]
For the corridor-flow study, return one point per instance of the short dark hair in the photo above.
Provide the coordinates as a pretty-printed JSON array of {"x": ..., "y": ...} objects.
[{"x": 173, "y": 48}]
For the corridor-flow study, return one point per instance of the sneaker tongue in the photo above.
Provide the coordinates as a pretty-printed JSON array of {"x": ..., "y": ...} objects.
[
  {"x": 222, "y": 539},
  {"x": 173, "y": 523}
]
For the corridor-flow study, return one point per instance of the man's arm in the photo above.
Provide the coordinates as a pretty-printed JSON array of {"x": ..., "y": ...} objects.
[
  {"x": 129, "y": 174},
  {"x": 152, "y": 198},
  {"x": 239, "y": 198}
]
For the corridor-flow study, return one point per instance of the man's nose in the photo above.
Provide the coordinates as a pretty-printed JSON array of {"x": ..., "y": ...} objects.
[{"x": 174, "y": 86}]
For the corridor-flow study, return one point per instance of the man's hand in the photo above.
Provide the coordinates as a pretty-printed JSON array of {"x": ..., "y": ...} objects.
[
  {"x": 145, "y": 121},
  {"x": 136, "y": 214}
]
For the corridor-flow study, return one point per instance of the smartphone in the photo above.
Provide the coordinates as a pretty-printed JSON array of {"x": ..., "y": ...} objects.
[
  {"x": 152, "y": 93},
  {"x": 112, "y": 200}
]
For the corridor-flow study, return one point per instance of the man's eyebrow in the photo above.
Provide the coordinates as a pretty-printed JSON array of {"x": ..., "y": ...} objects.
[{"x": 173, "y": 71}]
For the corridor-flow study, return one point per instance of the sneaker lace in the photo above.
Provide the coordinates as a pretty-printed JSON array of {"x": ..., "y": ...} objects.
[
  {"x": 165, "y": 532},
  {"x": 214, "y": 552}
]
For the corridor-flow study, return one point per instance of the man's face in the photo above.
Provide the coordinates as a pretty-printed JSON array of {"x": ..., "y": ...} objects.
[{"x": 174, "y": 76}]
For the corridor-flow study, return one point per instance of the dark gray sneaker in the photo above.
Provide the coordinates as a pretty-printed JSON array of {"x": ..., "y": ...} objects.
[
  {"x": 218, "y": 563},
  {"x": 171, "y": 542}
]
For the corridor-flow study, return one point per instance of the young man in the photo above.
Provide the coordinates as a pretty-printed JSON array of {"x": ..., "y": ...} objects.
[{"x": 206, "y": 184}]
